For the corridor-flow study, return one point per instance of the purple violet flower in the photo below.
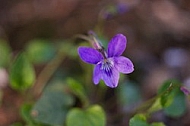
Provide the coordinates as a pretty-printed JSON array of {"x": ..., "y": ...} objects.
[{"x": 108, "y": 64}]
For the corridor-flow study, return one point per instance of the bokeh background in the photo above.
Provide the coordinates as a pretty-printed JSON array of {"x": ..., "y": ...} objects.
[{"x": 158, "y": 34}]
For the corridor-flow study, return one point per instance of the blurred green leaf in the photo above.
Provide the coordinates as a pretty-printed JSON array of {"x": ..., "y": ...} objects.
[
  {"x": 168, "y": 91},
  {"x": 156, "y": 105},
  {"x": 157, "y": 124},
  {"x": 78, "y": 90},
  {"x": 40, "y": 51},
  {"x": 172, "y": 99},
  {"x": 93, "y": 116},
  {"x": 53, "y": 105},
  {"x": 22, "y": 74},
  {"x": 128, "y": 94},
  {"x": 25, "y": 112},
  {"x": 178, "y": 107},
  {"x": 4, "y": 53},
  {"x": 138, "y": 120},
  {"x": 67, "y": 47},
  {"x": 166, "y": 95}
]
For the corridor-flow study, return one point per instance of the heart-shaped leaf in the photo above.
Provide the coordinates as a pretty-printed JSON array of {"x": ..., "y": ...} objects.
[
  {"x": 53, "y": 105},
  {"x": 93, "y": 116}
]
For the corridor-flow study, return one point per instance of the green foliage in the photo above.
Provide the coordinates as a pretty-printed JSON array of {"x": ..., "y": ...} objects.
[
  {"x": 141, "y": 120},
  {"x": 138, "y": 120},
  {"x": 67, "y": 47},
  {"x": 92, "y": 116},
  {"x": 53, "y": 105},
  {"x": 168, "y": 91},
  {"x": 22, "y": 75},
  {"x": 155, "y": 105},
  {"x": 78, "y": 90},
  {"x": 178, "y": 107},
  {"x": 169, "y": 98},
  {"x": 4, "y": 53},
  {"x": 172, "y": 99},
  {"x": 40, "y": 51},
  {"x": 25, "y": 112},
  {"x": 56, "y": 105}
]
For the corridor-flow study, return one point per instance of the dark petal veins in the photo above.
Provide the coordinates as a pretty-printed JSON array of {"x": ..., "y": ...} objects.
[
  {"x": 117, "y": 45},
  {"x": 107, "y": 66},
  {"x": 89, "y": 55},
  {"x": 111, "y": 80},
  {"x": 123, "y": 64}
]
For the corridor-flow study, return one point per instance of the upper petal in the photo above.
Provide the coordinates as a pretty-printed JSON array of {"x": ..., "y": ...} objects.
[
  {"x": 97, "y": 74},
  {"x": 123, "y": 64},
  {"x": 89, "y": 55},
  {"x": 117, "y": 45},
  {"x": 111, "y": 80}
]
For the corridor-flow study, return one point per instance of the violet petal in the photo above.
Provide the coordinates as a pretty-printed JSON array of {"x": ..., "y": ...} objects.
[
  {"x": 123, "y": 64},
  {"x": 117, "y": 45},
  {"x": 97, "y": 74},
  {"x": 185, "y": 90},
  {"x": 89, "y": 55},
  {"x": 111, "y": 80}
]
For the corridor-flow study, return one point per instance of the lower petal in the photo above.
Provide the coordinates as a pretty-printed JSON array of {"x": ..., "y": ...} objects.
[
  {"x": 97, "y": 74},
  {"x": 123, "y": 64},
  {"x": 111, "y": 80}
]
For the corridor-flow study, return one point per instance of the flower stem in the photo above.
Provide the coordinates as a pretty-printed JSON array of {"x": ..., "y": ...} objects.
[{"x": 47, "y": 72}]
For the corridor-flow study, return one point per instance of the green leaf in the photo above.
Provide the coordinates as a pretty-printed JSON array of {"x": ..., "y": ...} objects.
[
  {"x": 22, "y": 74},
  {"x": 40, "y": 51},
  {"x": 156, "y": 105},
  {"x": 25, "y": 112},
  {"x": 178, "y": 107},
  {"x": 53, "y": 105},
  {"x": 67, "y": 47},
  {"x": 172, "y": 99},
  {"x": 168, "y": 91},
  {"x": 138, "y": 120},
  {"x": 78, "y": 90},
  {"x": 157, "y": 124},
  {"x": 4, "y": 53},
  {"x": 93, "y": 116}
]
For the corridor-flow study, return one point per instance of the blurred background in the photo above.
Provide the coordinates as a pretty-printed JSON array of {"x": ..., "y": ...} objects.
[{"x": 158, "y": 34}]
